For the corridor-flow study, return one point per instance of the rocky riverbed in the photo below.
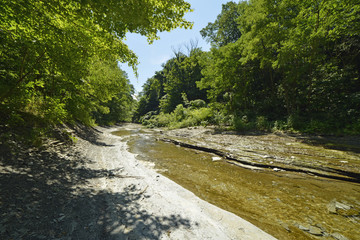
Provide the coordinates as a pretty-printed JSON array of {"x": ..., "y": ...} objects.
[
  {"x": 296, "y": 187},
  {"x": 97, "y": 189}
]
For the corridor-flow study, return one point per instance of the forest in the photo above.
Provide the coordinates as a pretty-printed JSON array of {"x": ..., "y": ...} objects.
[
  {"x": 274, "y": 65},
  {"x": 59, "y": 60}
]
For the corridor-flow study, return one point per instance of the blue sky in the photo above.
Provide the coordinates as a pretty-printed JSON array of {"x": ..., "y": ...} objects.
[{"x": 151, "y": 57}]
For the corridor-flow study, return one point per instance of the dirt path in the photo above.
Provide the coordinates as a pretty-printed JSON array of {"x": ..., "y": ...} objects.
[{"x": 98, "y": 190}]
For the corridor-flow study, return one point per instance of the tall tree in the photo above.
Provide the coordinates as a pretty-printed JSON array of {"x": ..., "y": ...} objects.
[
  {"x": 182, "y": 72},
  {"x": 225, "y": 29},
  {"x": 49, "y": 47},
  {"x": 292, "y": 55}
]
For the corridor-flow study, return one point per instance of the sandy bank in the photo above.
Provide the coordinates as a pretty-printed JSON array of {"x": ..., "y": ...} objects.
[{"x": 98, "y": 190}]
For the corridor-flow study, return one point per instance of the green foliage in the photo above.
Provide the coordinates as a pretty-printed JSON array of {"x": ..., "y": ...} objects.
[
  {"x": 182, "y": 72},
  {"x": 180, "y": 117},
  {"x": 225, "y": 29},
  {"x": 58, "y": 59},
  {"x": 291, "y": 60},
  {"x": 274, "y": 65},
  {"x": 197, "y": 103},
  {"x": 175, "y": 84}
]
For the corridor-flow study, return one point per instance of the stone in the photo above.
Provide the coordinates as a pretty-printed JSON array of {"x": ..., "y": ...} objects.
[
  {"x": 304, "y": 228},
  {"x": 315, "y": 231},
  {"x": 331, "y": 207},
  {"x": 284, "y": 225},
  {"x": 343, "y": 206},
  {"x": 334, "y": 206},
  {"x": 214, "y": 159},
  {"x": 338, "y": 236}
]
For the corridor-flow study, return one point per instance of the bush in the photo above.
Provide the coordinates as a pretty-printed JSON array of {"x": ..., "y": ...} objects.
[
  {"x": 242, "y": 124},
  {"x": 179, "y": 113},
  {"x": 180, "y": 117},
  {"x": 202, "y": 114},
  {"x": 353, "y": 129},
  {"x": 279, "y": 126},
  {"x": 198, "y": 103},
  {"x": 317, "y": 126},
  {"x": 262, "y": 123}
]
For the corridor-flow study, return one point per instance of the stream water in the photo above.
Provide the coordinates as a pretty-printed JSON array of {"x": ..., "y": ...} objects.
[{"x": 286, "y": 205}]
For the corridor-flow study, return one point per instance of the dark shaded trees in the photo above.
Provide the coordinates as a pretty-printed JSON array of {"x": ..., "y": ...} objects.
[{"x": 290, "y": 62}]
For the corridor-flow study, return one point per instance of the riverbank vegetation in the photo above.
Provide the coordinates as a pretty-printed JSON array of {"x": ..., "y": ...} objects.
[
  {"x": 59, "y": 59},
  {"x": 273, "y": 65}
]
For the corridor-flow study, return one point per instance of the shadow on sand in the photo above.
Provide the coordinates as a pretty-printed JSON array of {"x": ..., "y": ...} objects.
[{"x": 46, "y": 195}]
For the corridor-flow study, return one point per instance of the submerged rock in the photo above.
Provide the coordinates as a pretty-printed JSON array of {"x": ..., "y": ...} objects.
[
  {"x": 336, "y": 207},
  {"x": 315, "y": 231},
  {"x": 304, "y": 228},
  {"x": 332, "y": 207},
  {"x": 339, "y": 205},
  {"x": 338, "y": 236}
]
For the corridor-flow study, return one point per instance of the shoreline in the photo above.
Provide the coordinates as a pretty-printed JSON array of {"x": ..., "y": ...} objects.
[{"x": 97, "y": 189}]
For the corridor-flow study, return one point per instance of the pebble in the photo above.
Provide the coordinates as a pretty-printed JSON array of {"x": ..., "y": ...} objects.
[
  {"x": 214, "y": 159},
  {"x": 315, "y": 231}
]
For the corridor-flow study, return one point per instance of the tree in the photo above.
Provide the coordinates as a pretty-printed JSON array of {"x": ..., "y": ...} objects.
[
  {"x": 292, "y": 56},
  {"x": 182, "y": 72},
  {"x": 225, "y": 29},
  {"x": 50, "y": 48}
]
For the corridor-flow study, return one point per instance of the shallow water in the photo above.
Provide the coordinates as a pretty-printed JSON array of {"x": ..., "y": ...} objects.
[{"x": 286, "y": 205}]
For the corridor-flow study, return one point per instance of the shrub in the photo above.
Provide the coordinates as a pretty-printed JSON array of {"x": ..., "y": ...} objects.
[
  {"x": 262, "y": 123},
  {"x": 242, "y": 124},
  {"x": 179, "y": 113},
  {"x": 198, "y": 103},
  {"x": 202, "y": 114}
]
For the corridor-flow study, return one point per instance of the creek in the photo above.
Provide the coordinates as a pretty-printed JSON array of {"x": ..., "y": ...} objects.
[{"x": 285, "y": 204}]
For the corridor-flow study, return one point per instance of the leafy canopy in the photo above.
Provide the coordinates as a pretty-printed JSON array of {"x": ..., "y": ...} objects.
[{"x": 54, "y": 53}]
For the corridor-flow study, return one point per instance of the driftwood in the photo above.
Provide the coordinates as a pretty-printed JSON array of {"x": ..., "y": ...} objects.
[{"x": 325, "y": 172}]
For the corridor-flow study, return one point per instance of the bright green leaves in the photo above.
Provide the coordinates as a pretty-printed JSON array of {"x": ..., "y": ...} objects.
[
  {"x": 137, "y": 16},
  {"x": 62, "y": 55},
  {"x": 226, "y": 28},
  {"x": 182, "y": 72},
  {"x": 167, "y": 88}
]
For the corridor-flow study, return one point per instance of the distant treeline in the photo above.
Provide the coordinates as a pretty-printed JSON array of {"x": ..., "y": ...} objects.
[{"x": 282, "y": 65}]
